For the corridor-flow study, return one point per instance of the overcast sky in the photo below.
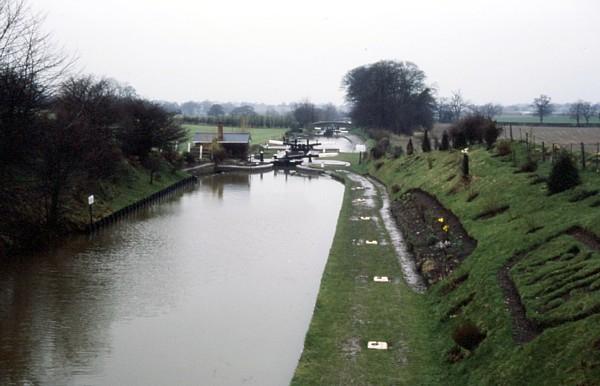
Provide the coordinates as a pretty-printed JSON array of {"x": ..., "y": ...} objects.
[{"x": 276, "y": 51}]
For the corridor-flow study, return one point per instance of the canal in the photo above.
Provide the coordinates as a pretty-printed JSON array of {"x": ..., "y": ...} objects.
[{"x": 216, "y": 286}]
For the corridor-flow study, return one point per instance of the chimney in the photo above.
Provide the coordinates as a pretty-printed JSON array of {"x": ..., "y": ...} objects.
[{"x": 220, "y": 131}]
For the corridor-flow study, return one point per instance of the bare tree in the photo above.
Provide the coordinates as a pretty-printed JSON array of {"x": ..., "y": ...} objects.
[
  {"x": 542, "y": 106},
  {"x": 489, "y": 110},
  {"x": 457, "y": 105},
  {"x": 577, "y": 110},
  {"x": 587, "y": 112}
]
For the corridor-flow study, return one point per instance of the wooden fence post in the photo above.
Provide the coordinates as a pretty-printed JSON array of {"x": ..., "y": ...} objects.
[
  {"x": 597, "y": 155},
  {"x": 511, "y": 135},
  {"x": 543, "y": 152},
  {"x": 582, "y": 156},
  {"x": 520, "y": 135}
]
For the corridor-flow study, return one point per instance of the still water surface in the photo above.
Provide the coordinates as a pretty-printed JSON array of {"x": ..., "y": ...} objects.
[{"x": 214, "y": 287}]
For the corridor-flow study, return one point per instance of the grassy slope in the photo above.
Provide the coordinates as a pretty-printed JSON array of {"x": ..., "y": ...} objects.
[
  {"x": 351, "y": 310},
  {"x": 259, "y": 135},
  {"x": 131, "y": 186},
  {"x": 560, "y": 355}
]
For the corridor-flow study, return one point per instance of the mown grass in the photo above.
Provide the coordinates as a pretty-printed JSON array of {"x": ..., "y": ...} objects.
[
  {"x": 259, "y": 135},
  {"x": 566, "y": 354},
  {"x": 351, "y": 310}
]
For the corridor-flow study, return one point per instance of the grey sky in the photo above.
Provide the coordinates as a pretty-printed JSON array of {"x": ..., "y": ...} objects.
[{"x": 274, "y": 51}]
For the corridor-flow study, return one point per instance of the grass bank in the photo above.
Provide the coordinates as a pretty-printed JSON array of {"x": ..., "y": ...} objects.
[
  {"x": 555, "y": 270},
  {"x": 130, "y": 185},
  {"x": 351, "y": 310}
]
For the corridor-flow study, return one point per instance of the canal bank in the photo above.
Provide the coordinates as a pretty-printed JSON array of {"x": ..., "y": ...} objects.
[
  {"x": 352, "y": 309},
  {"x": 216, "y": 285}
]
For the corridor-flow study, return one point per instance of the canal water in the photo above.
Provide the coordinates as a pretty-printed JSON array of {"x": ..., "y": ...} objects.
[{"x": 214, "y": 287}]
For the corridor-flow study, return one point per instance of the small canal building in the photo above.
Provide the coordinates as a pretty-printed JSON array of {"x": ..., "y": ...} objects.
[{"x": 236, "y": 145}]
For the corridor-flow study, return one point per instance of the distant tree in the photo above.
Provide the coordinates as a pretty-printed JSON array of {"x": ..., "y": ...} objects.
[
  {"x": 305, "y": 113},
  {"x": 410, "y": 149},
  {"x": 445, "y": 145},
  {"x": 243, "y": 111},
  {"x": 587, "y": 111},
  {"x": 542, "y": 106},
  {"x": 576, "y": 110},
  {"x": 564, "y": 174},
  {"x": 457, "y": 105},
  {"x": 489, "y": 110},
  {"x": 329, "y": 113},
  {"x": 443, "y": 110},
  {"x": 389, "y": 95},
  {"x": 216, "y": 110},
  {"x": 426, "y": 144}
]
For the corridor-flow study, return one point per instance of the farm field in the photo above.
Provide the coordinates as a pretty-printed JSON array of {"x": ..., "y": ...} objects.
[
  {"x": 564, "y": 136},
  {"x": 552, "y": 119}
]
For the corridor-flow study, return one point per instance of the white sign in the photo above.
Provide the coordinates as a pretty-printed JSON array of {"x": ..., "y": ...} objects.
[
  {"x": 91, "y": 199},
  {"x": 361, "y": 148}
]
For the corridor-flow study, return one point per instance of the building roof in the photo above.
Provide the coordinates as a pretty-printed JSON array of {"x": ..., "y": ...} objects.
[{"x": 227, "y": 138}]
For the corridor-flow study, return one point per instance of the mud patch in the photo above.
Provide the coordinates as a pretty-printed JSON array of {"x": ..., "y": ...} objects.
[
  {"x": 351, "y": 347},
  {"x": 437, "y": 252}
]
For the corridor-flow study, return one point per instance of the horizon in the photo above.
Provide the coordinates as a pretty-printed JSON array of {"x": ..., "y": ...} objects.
[{"x": 501, "y": 52}]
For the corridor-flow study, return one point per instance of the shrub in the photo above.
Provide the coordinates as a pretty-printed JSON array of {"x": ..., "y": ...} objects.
[
  {"x": 409, "y": 147},
  {"x": 503, "y": 147},
  {"x": 474, "y": 129},
  {"x": 426, "y": 145},
  {"x": 530, "y": 165},
  {"x": 564, "y": 174},
  {"x": 380, "y": 148},
  {"x": 395, "y": 188},
  {"x": 445, "y": 145},
  {"x": 490, "y": 134},
  {"x": 397, "y": 151},
  {"x": 188, "y": 157},
  {"x": 468, "y": 336}
]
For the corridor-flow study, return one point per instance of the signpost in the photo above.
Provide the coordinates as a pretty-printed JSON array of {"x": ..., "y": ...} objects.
[{"x": 90, "y": 203}]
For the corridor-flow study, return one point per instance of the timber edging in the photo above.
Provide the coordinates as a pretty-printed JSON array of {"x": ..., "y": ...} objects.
[{"x": 141, "y": 204}]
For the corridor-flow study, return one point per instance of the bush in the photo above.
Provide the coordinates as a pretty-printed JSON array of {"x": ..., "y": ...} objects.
[
  {"x": 468, "y": 336},
  {"x": 504, "y": 147},
  {"x": 490, "y": 134},
  {"x": 564, "y": 174},
  {"x": 530, "y": 165},
  {"x": 380, "y": 148},
  {"x": 397, "y": 151},
  {"x": 409, "y": 147},
  {"x": 445, "y": 145},
  {"x": 473, "y": 129},
  {"x": 426, "y": 145},
  {"x": 188, "y": 157}
]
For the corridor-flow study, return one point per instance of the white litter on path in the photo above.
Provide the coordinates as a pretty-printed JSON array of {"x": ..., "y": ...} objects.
[
  {"x": 374, "y": 345},
  {"x": 371, "y": 242},
  {"x": 381, "y": 279}
]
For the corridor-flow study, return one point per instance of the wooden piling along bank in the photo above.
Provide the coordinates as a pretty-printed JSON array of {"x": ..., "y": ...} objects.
[{"x": 141, "y": 204}]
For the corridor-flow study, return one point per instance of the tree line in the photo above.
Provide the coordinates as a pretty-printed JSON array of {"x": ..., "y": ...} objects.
[{"x": 60, "y": 133}]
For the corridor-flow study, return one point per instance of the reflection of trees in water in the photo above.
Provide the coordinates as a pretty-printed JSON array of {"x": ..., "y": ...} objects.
[
  {"x": 218, "y": 182},
  {"x": 56, "y": 316}
]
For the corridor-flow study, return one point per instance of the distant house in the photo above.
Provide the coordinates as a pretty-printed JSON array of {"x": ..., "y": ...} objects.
[{"x": 235, "y": 144}]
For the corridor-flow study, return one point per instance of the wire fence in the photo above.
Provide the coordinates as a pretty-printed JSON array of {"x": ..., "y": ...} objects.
[{"x": 549, "y": 145}]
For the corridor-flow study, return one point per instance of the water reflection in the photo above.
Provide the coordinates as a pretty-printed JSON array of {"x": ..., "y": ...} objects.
[{"x": 202, "y": 289}]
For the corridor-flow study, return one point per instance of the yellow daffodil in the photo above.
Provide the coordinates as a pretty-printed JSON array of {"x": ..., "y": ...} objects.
[
  {"x": 446, "y": 228},
  {"x": 440, "y": 220}
]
